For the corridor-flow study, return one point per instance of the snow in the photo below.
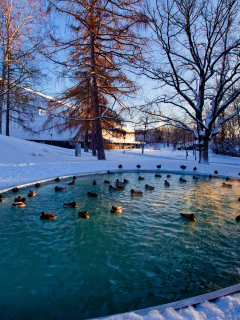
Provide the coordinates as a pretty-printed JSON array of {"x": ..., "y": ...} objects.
[{"x": 23, "y": 162}]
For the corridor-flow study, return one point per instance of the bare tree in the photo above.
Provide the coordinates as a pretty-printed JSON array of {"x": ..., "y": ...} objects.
[{"x": 199, "y": 66}]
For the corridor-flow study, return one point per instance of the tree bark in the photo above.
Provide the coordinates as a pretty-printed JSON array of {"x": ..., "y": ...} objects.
[
  {"x": 2, "y": 95},
  {"x": 8, "y": 101},
  {"x": 203, "y": 152},
  {"x": 86, "y": 141},
  {"x": 94, "y": 153},
  {"x": 98, "y": 129}
]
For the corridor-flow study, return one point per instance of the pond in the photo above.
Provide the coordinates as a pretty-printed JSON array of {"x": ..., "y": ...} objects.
[{"x": 73, "y": 268}]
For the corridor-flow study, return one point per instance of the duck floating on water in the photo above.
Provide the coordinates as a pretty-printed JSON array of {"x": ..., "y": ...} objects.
[
  {"x": 226, "y": 185},
  {"x": 166, "y": 183},
  {"x": 195, "y": 178},
  {"x": 158, "y": 175},
  {"x": 110, "y": 172},
  {"x": 238, "y": 218},
  {"x": 112, "y": 188},
  {"x": 19, "y": 204},
  {"x": 116, "y": 209},
  {"x": 121, "y": 187},
  {"x": 19, "y": 199},
  {"x": 71, "y": 183},
  {"x": 136, "y": 192},
  {"x": 59, "y": 189},
  {"x": 147, "y": 187},
  {"x": 95, "y": 182},
  {"x": 1, "y": 198},
  {"x": 70, "y": 204},
  {"x": 83, "y": 214},
  {"x": 106, "y": 181},
  {"x": 125, "y": 180},
  {"x": 168, "y": 176},
  {"x": 37, "y": 185},
  {"x": 190, "y": 217},
  {"x": 92, "y": 194},
  {"x": 15, "y": 189},
  {"x": 230, "y": 179},
  {"x": 74, "y": 177},
  {"x": 120, "y": 182},
  {"x": 48, "y": 216},
  {"x": 57, "y": 179},
  {"x": 141, "y": 178},
  {"x": 182, "y": 180},
  {"x": 32, "y": 193}
]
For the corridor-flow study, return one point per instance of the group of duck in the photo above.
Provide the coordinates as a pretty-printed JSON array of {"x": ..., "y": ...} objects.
[{"x": 120, "y": 185}]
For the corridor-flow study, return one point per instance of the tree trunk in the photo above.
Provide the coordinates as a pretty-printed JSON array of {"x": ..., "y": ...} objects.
[
  {"x": 203, "y": 152},
  {"x": 8, "y": 101},
  {"x": 86, "y": 141},
  {"x": 2, "y": 95},
  {"x": 94, "y": 153},
  {"x": 98, "y": 129}
]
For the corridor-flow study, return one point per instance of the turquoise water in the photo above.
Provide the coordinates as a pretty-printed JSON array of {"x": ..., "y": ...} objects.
[{"x": 72, "y": 268}]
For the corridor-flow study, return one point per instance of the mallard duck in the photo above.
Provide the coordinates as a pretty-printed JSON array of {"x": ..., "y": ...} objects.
[
  {"x": 183, "y": 167},
  {"x": 238, "y": 218},
  {"x": 159, "y": 166},
  {"x": 226, "y": 185},
  {"x": 48, "y": 216},
  {"x": 195, "y": 178},
  {"x": 37, "y": 185},
  {"x": 182, "y": 180},
  {"x": 215, "y": 172},
  {"x": 95, "y": 182},
  {"x": 120, "y": 187},
  {"x": 195, "y": 169},
  {"x": 83, "y": 214},
  {"x": 57, "y": 179},
  {"x": 71, "y": 183},
  {"x": 158, "y": 175},
  {"x": 15, "y": 189},
  {"x": 59, "y": 189},
  {"x": 138, "y": 166},
  {"x": 70, "y": 204},
  {"x": 136, "y": 192},
  {"x": 190, "y": 217},
  {"x": 106, "y": 181},
  {"x": 1, "y": 198},
  {"x": 230, "y": 179},
  {"x": 19, "y": 204},
  {"x": 141, "y": 178},
  {"x": 125, "y": 180},
  {"x": 147, "y": 187},
  {"x": 120, "y": 166},
  {"x": 92, "y": 194},
  {"x": 110, "y": 172},
  {"x": 32, "y": 193},
  {"x": 168, "y": 176},
  {"x": 120, "y": 182},
  {"x": 166, "y": 183},
  {"x": 112, "y": 188},
  {"x": 116, "y": 209},
  {"x": 19, "y": 199}
]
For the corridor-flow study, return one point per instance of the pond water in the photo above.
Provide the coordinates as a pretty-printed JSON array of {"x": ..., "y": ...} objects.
[{"x": 72, "y": 268}]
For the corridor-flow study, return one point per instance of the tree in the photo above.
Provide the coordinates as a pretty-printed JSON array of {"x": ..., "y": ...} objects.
[
  {"x": 199, "y": 71},
  {"x": 102, "y": 44}
]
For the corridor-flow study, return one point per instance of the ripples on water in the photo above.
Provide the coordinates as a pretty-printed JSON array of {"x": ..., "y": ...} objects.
[{"x": 73, "y": 268}]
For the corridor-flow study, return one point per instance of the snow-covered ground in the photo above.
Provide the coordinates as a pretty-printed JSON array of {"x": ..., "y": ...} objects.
[{"x": 23, "y": 162}]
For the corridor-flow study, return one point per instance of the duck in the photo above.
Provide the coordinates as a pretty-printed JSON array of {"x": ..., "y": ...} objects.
[
  {"x": 110, "y": 172},
  {"x": 70, "y": 204},
  {"x": 106, "y": 181},
  {"x": 141, "y": 178},
  {"x": 1, "y": 198},
  {"x": 48, "y": 216},
  {"x": 19, "y": 199},
  {"x": 190, "y": 217},
  {"x": 168, "y": 176},
  {"x": 183, "y": 167},
  {"x": 239, "y": 173},
  {"x": 116, "y": 209},
  {"x": 112, "y": 188},
  {"x": 195, "y": 178},
  {"x": 238, "y": 218},
  {"x": 32, "y": 193},
  {"x": 120, "y": 186},
  {"x": 71, "y": 183},
  {"x": 74, "y": 177},
  {"x": 59, "y": 189},
  {"x": 120, "y": 166},
  {"x": 37, "y": 185},
  {"x": 120, "y": 182},
  {"x": 230, "y": 179},
  {"x": 159, "y": 166},
  {"x": 195, "y": 169},
  {"x": 57, "y": 179},
  {"x": 19, "y": 204},
  {"x": 83, "y": 214},
  {"x": 226, "y": 185},
  {"x": 92, "y": 194},
  {"x": 182, "y": 180},
  {"x": 239, "y": 199},
  {"x": 158, "y": 175},
  {"x": 147, "y": 187},
  {"x": 136, "y": 192},
  {"x": 15, "y": 189},
  {"x": 215, "y": 172},
  {"x": 166, "y": 183},
  {"x": 95, "y": 182},
  {"x": 138, "y": 166},
  {"x": 125, "y": 180}
]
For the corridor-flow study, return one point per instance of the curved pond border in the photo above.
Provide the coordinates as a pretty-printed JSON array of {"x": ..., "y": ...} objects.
[{"x": 211, "y": 296}]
